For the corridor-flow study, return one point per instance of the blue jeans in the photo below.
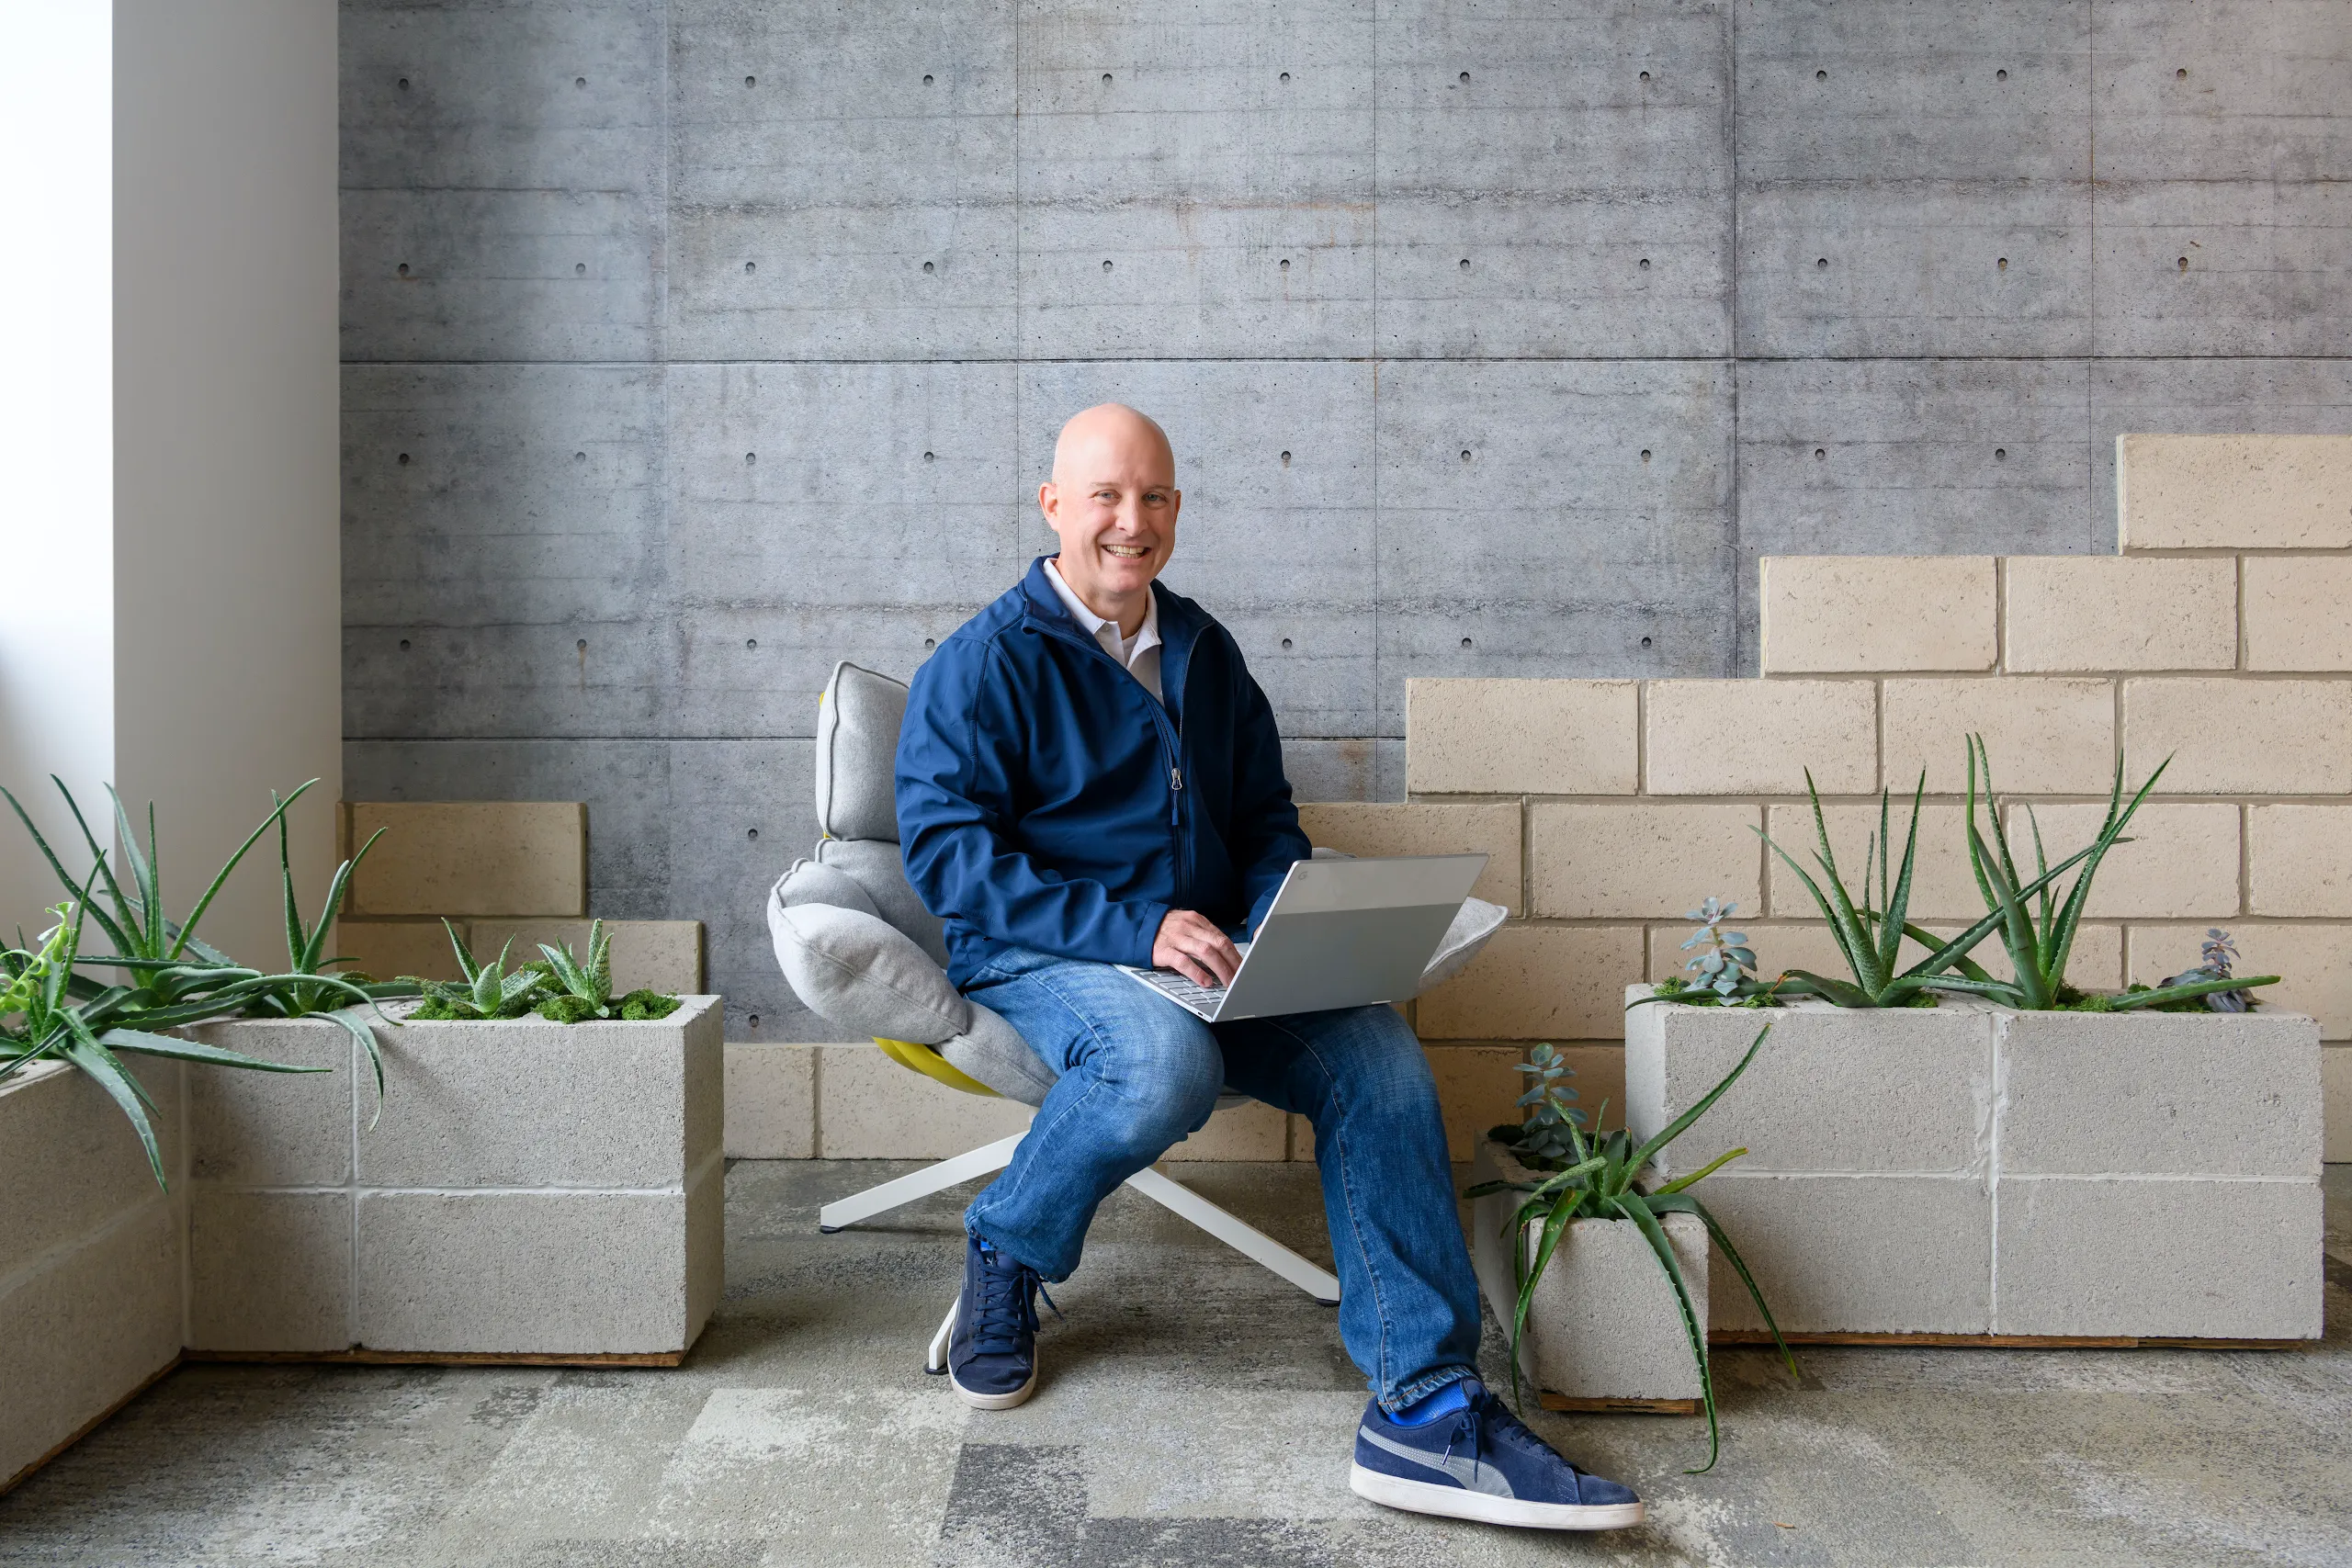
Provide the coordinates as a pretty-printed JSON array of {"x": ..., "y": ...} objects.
[{"x": 1140, "y": 1073}]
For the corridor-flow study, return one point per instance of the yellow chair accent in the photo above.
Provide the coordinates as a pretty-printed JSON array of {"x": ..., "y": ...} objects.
[{"x": 932, "y": 1065}]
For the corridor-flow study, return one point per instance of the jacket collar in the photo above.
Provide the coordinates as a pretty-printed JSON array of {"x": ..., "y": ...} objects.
[{"x": 1179, "y": 625}]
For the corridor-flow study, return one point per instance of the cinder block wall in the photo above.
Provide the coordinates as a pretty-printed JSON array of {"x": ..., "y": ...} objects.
[{"x": 692, "y": 344}]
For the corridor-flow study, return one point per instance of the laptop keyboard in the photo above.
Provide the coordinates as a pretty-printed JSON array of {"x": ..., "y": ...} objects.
[{"x": 1204, "y": 999}]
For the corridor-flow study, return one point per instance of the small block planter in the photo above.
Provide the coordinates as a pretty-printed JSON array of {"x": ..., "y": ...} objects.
[
  {"x": 1970, "y": 1171},
  {"x": 1604, "y": 1329},
  {"x": 530, "y": 1189}
]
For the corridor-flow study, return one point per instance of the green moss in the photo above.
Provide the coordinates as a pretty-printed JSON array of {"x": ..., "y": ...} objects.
[
  {"x": 566, "y": 1009},
  {"x": 643, "y": 1006}
]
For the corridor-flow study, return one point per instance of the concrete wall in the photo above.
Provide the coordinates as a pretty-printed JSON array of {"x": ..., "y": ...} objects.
[{"x": 692, "y": 345}]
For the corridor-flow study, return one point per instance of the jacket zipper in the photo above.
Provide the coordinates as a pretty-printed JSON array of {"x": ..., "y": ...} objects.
[{"x": 1171, "y": 741}]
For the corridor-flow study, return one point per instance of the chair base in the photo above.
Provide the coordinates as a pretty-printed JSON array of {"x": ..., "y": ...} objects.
[{"x": 1168, "y": 1193}]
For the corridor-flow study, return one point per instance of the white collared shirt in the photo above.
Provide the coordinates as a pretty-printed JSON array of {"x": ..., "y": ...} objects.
[{"x": 1139, "y": 655}]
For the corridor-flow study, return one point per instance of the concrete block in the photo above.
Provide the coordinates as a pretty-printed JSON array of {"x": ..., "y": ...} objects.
[
  {"x": 1936, "y": 457},
  {"x": 2314, "y": 962},
  {"x": 1760, "y": 737},
  {"x": 2335, "y": 1094},
  {"x": 388, "y": 949},
  {"x": 1942, "y": 883},
  {"x": 1476, "y": 1086},
  {"x": 471, "y": 858},
  {"x": 1253, "y": 1131},
  {"x": 2222, "y": 1095},
  {"x": 252, "y": 1129},
  {"x": 2294, "y": 616},
  {"x": 1521, "y": 736},
  {"x": 528, "y": 1104},
  {"x": 2221, "y": 1259},
  {"x": 1779, "y": 945},
  {"x": 1870, "y": 614},
  {"x": 869, "y": 1107},
  {"x": 1837, "y": 1254},
  {"x": 1386, "y": 829},
  {"x": 269, "y": 1271},
  {"x": 2221, "y": 395},
  {"x": 663, "y": 955},
  {"x": 1913, "y": 1087},
  {"x": 1538, "y": 983},
  {"x": 2182, "y": 861},
  {"x": 1641, "y": 859},
  {"x": 2120, "y": 613},
  {"x": 2045, "y": 734},
  {"x": 1626, "y": 549},
  {"x": 549, "y": 1273},
  {"x": 2234, "y": 492},
  {"x": 1604, "y": 1323},
  {"x": 87, "y": 1330},
  {"x": 70, "y": 1162},
  {"x": 771, "y": 1101},
  {"x": 2202, "y": 724}
]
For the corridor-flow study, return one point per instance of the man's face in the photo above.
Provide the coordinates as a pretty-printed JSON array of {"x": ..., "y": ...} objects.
[{"x": 1113, "y": 502}]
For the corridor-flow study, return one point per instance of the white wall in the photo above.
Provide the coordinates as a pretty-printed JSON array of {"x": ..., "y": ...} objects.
[
  {"x": 56, "y": 417},
  {"x": 171, "y": 617},
  {"x": 227, "y": 581}
]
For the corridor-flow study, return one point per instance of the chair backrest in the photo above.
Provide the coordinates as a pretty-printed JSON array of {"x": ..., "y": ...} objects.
[{"x": 857, "y": 745}]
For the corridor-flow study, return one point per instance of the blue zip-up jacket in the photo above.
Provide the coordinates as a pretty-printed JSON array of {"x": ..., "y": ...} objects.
[{"x": 1045, "y": 801}]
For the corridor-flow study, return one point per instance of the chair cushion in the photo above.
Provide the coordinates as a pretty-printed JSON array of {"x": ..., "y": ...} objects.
[
  {"x": 875, "y": 866},
  {"x": 992, "y": 1051},
  {"x": 1474, "y": 925},
  {"x": 856, "y": 973},
  {"x": 810, "y": 883},
  {"x": 857, "y": 747}
]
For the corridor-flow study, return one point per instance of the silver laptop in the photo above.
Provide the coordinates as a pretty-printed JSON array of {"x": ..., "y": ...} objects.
[{"x": 1340, "y": 933}]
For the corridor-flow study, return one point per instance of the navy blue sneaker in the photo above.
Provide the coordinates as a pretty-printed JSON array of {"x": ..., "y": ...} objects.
[
  {"x": 992, "y": 1355},
  {"x": 1479, "y": 1463}
]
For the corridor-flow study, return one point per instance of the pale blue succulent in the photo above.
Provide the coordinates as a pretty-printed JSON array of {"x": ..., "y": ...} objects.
[{"x": 1724, "y": 960}]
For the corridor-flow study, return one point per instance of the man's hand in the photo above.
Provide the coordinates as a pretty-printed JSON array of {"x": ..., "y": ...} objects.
[{"x": 1189, "y": 944}]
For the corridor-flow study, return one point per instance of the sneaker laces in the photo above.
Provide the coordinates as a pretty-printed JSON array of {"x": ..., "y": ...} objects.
[
  {"x": 1487, "y": 1420},
  {"x": 1006, "y": 1310}
]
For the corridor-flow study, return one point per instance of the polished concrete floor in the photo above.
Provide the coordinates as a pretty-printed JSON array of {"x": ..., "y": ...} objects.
[{"x": 1195, "y": 1411}]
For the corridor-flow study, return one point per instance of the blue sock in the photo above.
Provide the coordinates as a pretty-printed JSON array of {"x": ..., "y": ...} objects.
[{"x": 1430, "y": 1407}]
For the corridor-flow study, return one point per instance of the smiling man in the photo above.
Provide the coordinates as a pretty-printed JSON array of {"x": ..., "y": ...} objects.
[{"x": 1088, "y": 776}]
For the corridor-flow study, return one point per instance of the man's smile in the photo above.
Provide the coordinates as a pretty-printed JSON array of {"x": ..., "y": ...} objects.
[{"x": 1128, "y": 552}]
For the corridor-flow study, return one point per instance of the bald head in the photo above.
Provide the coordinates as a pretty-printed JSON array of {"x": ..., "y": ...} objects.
[{"x": 1113, "y": 502}]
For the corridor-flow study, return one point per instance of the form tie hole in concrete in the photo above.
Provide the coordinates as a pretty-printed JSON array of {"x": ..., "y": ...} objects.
[
  {"x": 1285, "y": 263},
  {"x": 929, "y": 267},
  {"x": 1465, "y": 264},
  {"x": 927, "y": 457},
  {"x": 2184, "y": 264},
  {"x": 2002, "y": 265},
  {"x": 752, "y": 833},
  {"x": 1646, "y": 75},
  {"x": 2000, "y": 75},
  {"x": 1285, "y": 642},
  {"x": 1285, "y": 78},
  {"x": 403, "y": 269},
  {"x": 579, "y": 269},
  {"x": 931, "y": 642},
  {"x": 1820, "y": 454},
  {"x": 403, "y": 460},
  {"x": 580, "y": 457},
  {"x": 580, "y": 81},
  {"x": 581, "y": 647},
  {"x": 1106, "y": 78},
  {"x": 1822, "y": 264},
  {"x": 1646, "y": 263},
  {"x": 2000, "y": 454},
  {"x": 1465, "y": 642},
  {"x": 751, "y": 457},
  {"x": 1645, "y": 642},
  {"x": 1821, "y": 75},
  {"x": 403, "y": 83},
  {"x": 1465, "y": 454},
  {"x": 750, "y": 642},
  {"x": 926, "y": 81},
  {"x": 755, "y": 81},
  {"x": 404, "y": 645},
  {"x": 1106, "y": 266},
  {"x": 2181, "y": 74},
  {"x": 1286, "y": 459},
  {"x": 755, "y": 1021},
  {"x": 751, "y": 267},
  {"x": 1466, "y": 78},
  {"x": 1645, "y": 454}
]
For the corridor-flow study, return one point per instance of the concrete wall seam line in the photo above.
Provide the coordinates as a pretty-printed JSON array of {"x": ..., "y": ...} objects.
[
  {"x": 57, "y": 1252},
  {"x": 367, "y": 1190}
]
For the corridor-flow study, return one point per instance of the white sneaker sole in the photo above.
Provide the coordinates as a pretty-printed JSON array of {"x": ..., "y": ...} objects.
[
  {"x": 995, "y": 1401},
  {"x": 1454, "y": 1502}
]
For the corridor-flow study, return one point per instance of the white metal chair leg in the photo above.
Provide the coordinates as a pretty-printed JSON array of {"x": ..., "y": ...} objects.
[
  {"x": 1246, "y": 1239},
  {"x": 936, "y": 1361},
  {"x": 923, "y": 1183}
]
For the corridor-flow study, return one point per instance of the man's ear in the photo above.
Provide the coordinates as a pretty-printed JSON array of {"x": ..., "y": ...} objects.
[{"x": 1049, "y": 500}]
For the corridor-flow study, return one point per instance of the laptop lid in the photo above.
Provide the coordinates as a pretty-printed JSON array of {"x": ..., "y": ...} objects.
[{"x": 1347, "y": 933}]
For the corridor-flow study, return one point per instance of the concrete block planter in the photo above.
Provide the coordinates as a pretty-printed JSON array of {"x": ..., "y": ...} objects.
[
  {"x": 90, "y": 1253},
  {"x": 1603, "y": 1330},
  {"x": 1970, "y": 1171},
  {"x": 531, "y": 1189}
]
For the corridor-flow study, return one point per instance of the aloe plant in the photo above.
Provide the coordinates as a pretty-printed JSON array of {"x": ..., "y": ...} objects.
[
  {"x": 1869, "y": 933},
  {"x": 584, "y": 991},
  {"x": 95, "y": 1033},
  {"x": 488, "y": 992},
  {"x": 2038, "y": 926},
  {"x": 1599, "y": 1179}
]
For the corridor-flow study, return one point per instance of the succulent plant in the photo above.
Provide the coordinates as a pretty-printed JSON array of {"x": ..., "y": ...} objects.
[
  {"x": 488, "y": 991},
  {"x": 1544, "y": 1134},
  {"x": 584, "y": 991},
  {"x": 2220, "y": 956},
  {"x": 1724, "y": 960}
]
